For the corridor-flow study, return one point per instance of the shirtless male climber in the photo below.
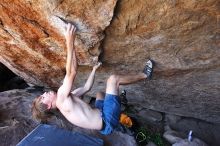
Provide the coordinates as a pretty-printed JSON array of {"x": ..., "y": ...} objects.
[{"x": 105, "y": 117}]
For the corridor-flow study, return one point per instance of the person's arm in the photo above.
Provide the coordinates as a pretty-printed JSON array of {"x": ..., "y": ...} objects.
[
  {"x": 71, "y": 63},
  {"x": 88, "y": 85}
]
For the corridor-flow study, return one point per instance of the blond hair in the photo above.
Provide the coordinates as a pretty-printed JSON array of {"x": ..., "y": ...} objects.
[{"x": 40, "y": 110}]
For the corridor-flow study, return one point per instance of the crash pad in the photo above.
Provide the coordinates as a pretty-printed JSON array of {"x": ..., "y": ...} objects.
[{"x": 50, "y": 135}]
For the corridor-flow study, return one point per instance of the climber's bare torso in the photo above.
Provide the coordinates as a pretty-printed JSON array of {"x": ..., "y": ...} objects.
[
  {"x": 79, "y": 113},
  {"x": 72, "y": 107}
]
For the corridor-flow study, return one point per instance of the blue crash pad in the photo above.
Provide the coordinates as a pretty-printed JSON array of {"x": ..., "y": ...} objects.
[{"x": 47, "y": 135}]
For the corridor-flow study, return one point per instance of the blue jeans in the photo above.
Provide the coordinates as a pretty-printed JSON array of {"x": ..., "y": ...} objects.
[{"x": 110, "y": 108}]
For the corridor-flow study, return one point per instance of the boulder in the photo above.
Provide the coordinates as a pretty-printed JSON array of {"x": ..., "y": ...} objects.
[
  {"x": 182, "y": 37},
  {"x": 150, "y": 116},
  {"x": 32, "y": 38},
  {"x": 172, "y": 136},
  {"x": 194, "y": 142},
  {"x": 15, "y": 115},
  {"x": 178, "y": 127}
]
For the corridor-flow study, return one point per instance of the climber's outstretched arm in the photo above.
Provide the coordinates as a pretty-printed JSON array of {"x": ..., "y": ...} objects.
[
  {"x": 88, "y": 85},
  {"x": 71, "y": 63}
]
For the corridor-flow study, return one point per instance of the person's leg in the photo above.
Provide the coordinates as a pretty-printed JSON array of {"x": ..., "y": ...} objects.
[
  {"x": 114, "y": 81},
  {"x": 112, "y": 103}
]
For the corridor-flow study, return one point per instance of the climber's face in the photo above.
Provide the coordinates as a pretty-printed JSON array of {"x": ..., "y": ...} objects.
[{"x": 48, "y": 98}]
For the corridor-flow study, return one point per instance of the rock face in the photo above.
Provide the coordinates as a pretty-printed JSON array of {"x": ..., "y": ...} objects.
[
  {"x": 182, "y": 37},
  {"x": 32, "y": 43},
  {"x": 177, "y": 128},
  {"x": 15, "y": 115}
]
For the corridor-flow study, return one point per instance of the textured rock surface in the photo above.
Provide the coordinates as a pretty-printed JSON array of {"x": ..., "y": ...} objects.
[
  {"x": 16, "y": 120},
  {"x": 183, "y": 39},
  {"x": 15, "y": 116},
  {"x": 32, "y": 43},
  {"x": 181, "y": 36},
  {"x": 195, "y": 142},
  {"x": 207, "y": 132}
]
